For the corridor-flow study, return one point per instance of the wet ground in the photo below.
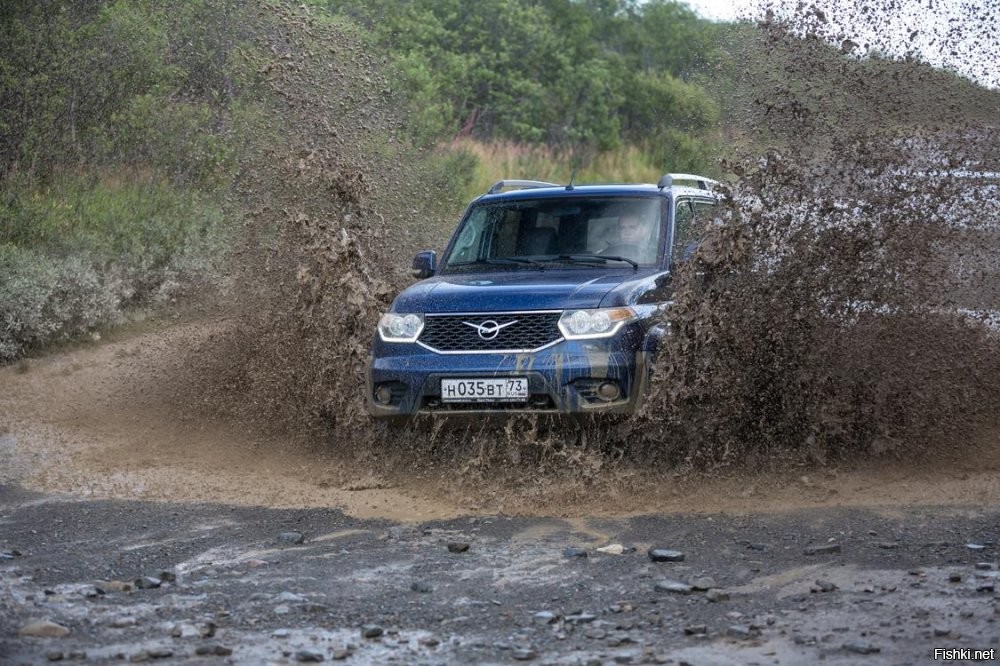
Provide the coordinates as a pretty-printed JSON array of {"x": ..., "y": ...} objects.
[
  {"x": 131, "y": 532},
  {"x": 139, "y": 581}
]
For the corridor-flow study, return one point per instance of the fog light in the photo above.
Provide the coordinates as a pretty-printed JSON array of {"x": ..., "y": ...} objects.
[
  {"x": 608, "y": 391},
  {"x": 383, "y": 395}
]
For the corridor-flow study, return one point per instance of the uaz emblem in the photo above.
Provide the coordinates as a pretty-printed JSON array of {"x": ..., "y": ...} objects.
[{"x": 489, "y": 329}]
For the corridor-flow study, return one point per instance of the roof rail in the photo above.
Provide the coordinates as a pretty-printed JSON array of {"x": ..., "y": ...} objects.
[
  {"x": 703, "y": 183},
  {"x": 523, "y": 184}
]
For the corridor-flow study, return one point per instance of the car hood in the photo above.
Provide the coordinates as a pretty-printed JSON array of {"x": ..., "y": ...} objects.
[{"x": 513, "y": 291}]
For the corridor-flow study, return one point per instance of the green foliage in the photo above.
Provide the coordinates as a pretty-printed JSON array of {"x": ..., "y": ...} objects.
[
  {"x": 73, "y": 254},
  {"x": 131, "y": 130},
  {"x": 43, "y": 299},
  {"x": 118, "y": 124},
  {"x": 143, "y": 224},
  {"x": 593, "y": 74}
]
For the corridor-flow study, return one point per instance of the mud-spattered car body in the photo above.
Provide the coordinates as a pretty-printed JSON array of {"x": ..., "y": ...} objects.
[{"x": 546, "y": 300}]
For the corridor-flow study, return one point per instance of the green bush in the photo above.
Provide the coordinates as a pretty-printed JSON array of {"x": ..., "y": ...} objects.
[
  {"x": 75, "y": 253},
  {"x": 45, "y": 299}
]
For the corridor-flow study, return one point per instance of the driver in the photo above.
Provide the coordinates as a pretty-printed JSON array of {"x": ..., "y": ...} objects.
[{"x": 634, "y": 241}]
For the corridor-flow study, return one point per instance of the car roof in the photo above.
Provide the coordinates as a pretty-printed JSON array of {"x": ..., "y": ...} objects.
[{"x": 610, "y": 189}]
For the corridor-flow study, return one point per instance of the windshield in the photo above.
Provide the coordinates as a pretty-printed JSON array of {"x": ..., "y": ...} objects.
[{"x": 540, "y": 233}]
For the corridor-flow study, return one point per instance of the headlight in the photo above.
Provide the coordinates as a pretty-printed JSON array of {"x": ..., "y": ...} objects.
[
  {"x": 394, "y": 327},
  {"x": 598, "y": 323}
]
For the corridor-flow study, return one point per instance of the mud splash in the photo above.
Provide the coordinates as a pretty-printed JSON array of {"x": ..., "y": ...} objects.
[
  {"x": 829, "y": 315},
  {"x": 845, "y": 304}
]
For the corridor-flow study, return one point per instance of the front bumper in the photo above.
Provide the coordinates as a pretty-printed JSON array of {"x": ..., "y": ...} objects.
[{"x": 562, "y": 379}]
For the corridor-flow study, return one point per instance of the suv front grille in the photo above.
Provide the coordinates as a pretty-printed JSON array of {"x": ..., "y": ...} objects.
[{"x": 491, "y": 332}]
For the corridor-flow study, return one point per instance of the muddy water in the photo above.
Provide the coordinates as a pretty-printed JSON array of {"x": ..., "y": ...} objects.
[
  {"x": 80, "y": 423},
  {"x": 844, "y": 303},
  {"x": 824, "y": 351}
]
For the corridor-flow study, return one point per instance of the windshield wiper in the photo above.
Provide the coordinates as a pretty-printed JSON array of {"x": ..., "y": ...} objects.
[
  {"x": 506, "y": 261},
  {"x": 596, "y": 258},
  {"x": 514, "y": 260}
]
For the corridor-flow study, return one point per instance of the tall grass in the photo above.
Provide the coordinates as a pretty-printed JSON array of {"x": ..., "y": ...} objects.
[
  {"x": 499, "y": 160},
  {"x": 132, "y": 218},
  {"x": 78, "y": 249}
]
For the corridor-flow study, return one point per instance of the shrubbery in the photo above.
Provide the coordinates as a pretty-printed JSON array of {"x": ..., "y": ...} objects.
[
  {"x": 74, "y": 254},
  {"x": 118, "y": 143}
]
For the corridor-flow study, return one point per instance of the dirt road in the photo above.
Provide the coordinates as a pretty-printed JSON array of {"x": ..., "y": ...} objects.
[{"x": 130, "y": 531}]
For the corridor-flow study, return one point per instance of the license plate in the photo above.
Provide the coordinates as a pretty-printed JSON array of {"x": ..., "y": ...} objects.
[{"x": 511, "y": 389}]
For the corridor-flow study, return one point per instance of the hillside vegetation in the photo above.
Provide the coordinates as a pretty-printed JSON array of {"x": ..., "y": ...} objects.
[{"x": 131, "y": 130}]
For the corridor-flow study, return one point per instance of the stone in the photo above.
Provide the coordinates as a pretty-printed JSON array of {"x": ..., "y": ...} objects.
[
  {"x": 291, "y": 538},
  {"x": 673, "y": 586},
  {"x": 715, "y": 595},
  {"x": 147, "y": 583},
  {"x": 116, "y": 586},
  {"x": 574, "y": 553},
  {"x": 216, "y": 650},
  {"x": 580, "y": 618},
  {"x": 822, "y": 549},
  {"x": 740, "y": 631},
  {"x": 887, "y": 545},
  {"x": 984, "y": 566},
  {"x": 308, "y": 656},
  {"x": 167, "y": 576},
  {"x": 861, "y": 647},
  {"x": 184, "y": 630},
  {"x": 524, "y": 654},
  {"x": 54, "y": 655},
  {"x": 545, "y": 617},
  {"x": 44, "y": 629},
  {"x": 696, "y": 629},
  {"x": 340, "y": 654},
  {"x": 703, "y": 583},
  {"x": 665, "y": 555},
  {"x": 371, "y": 631},
  {"x": 822, "y": 586},
  {"x": 458, "y": 547},
  {"x": 612, "y": 549},
  {"x": 419, "y": 586},
  {"x": 975, "y": 546},
  {"x": 313, "y": 607},
  {"x": 954, "y": 577}
]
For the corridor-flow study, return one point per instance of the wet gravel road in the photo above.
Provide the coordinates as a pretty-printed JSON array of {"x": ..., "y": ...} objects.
[{"x": 112, "y": 581}]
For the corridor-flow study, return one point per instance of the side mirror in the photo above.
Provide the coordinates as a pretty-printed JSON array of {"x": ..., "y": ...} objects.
[{"x": 424, "y": 264}]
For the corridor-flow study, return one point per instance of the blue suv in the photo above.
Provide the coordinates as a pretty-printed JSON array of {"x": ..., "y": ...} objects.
[{"x": 546, "y": 300}]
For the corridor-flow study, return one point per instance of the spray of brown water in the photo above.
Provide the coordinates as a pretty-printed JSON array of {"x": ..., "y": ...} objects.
[
  {"x": 840, "y": 307},
  {"x": 826, "y": 315}
]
